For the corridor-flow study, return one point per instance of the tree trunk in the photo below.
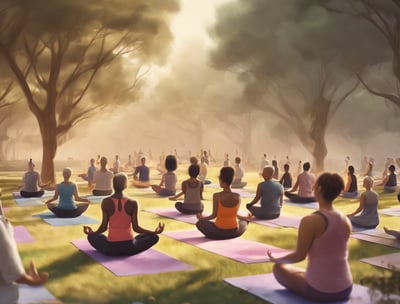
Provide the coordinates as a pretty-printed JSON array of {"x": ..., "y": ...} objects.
[
  {"x": 319, "y": 154},
  {"x": 49, "y": 142}
]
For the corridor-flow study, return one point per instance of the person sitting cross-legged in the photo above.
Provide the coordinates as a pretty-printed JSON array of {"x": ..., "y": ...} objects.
[
  {"x": 270, "y": 194},
  {"x": 120, "y": 216},
  {"x": 304, "y": 183},
  {"x": 141, "y": 176}
]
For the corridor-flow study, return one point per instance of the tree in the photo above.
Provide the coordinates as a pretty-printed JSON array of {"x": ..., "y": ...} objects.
[
  {"x": 294, "y": 59},
  {"x": 70, "y": 57}
]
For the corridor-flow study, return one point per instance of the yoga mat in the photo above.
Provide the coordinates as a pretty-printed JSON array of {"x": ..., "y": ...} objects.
[
  {"x": 388, "y": 261},
  {"x": 392, "y": 242},
  {"x": 22, "y": 235},
  {"x": 238, "y": 249},
  {"x": 95, "y": 199},
  {"x": 267, "y": 288},
  {"x": 390, "y": 211},
  {"x": 51, "y": 219},
  {"x": 377, "y": 233},
  {"x": 32, "y": 201},
  {"x": 35, "y": 295},
  {"x": 281, "y": 221},
  {"x": 244, "y": 193},
  {"x": 312, "y": 205},
  {"x": 174, "y": 214},
  {"x": 147, "y": 262}
]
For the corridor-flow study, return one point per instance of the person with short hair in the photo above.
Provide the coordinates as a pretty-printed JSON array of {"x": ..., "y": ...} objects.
[
  {"x": 192, "y": 189},
  {"x": 67, "y": 192},
  {"x": 304, "y": 183},
  {"x": 120, "y": 216},
  {"x": 239, "y": 174},
  {"x": 89, "y": 176},
  {"x": 322, "y": 238},
  {"x": 351, "y": 188},
  {"x": 141, "y": 176},
  {"x": 276, "y": 169},
  {"x": 102, "y": 179},
  {"x": 203, "y": 172},
  {"x": 228, "y": 224},
  {"x": 270, "y": 194},
  {"x": 31, "y": 182},
  {"x": 167, "y": 186},
  {"x": 366, "y": 215},
  {"x": 286, "y": 178}
]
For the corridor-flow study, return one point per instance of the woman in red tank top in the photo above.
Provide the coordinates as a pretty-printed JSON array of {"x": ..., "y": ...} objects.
[{"x": 120, "y": 215}]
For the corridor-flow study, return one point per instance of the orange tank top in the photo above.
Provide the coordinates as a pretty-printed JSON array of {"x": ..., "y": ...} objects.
[
  {"x": 226, "y": 216},
  {"x": 120, "y": 223}
]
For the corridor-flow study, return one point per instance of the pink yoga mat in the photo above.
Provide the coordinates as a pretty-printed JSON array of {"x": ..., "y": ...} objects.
[
  {"x": 175, "y": 214},
  {"x": 147, "y": 262},
  {"x": 281, "y": 221},
  {"x": 267, "y": 288},
  {"x": 388, "y": 261},
  {"x": 238, "y": 249},
  {"x": 22, "y": 235}
]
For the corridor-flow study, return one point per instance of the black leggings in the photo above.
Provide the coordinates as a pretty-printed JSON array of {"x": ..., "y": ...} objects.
[
  {"x": 181, "y": 208},
  {"x": 32, "y": 194},
  {"x": 139, "y": 244},
  {"x": 260, "y": 212},
  {"x": 299, "y": 199},
  {"x": 68, "y": 213},
  {"x": 101, "y": 192},
  {"x": 210, "y": 230}
]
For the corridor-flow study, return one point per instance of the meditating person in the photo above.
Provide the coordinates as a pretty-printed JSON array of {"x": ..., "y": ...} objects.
[
  {"x": 203, "y": 172},
  {"x": 270, "y": 194},
  {"x": 120, "y": 216},
  {"x": 239, "y": 174},
  {"x": 192, "y": 189},
  {"x": 351, "y": 188},
  {"x": 369, "y": 167},
  {"x": 304, "y": 183},
  {"x": 89, "y": 176},
  {"x": 228, "y": 224},
  {"x": 392, "y": 232},
  {"x": 31, "y": 182},
  {"x": 67, "y": 193},
  {"x": 366, "y": 214},
  {"x": 167, "y": 186},
  {"x": 12, "y": 271},
  {"x": 389, "y": 183},
  {"x": 116, "y": 165},
  {"x": 323, "y": 238},
  {"x": 264, "y": 162},
  {"x": 141, "y": 176},
  {"x": 102, "y": 179},
  {"x": 193, "y": 160},
  {"x": 286, "y": 178},
  {"x": 276, "y": 169},
  {"x": 227, "y": 161}
]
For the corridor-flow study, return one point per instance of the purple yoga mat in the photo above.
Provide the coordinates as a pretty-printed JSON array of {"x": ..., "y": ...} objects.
[
  {"x": 175, "y": 214},
  {"x": 147, "y": 262},
  {"x": 238, "y": 249},
  {"x": 35, "y": 295},
  {"x": 394, "y": 211},
  {"x": 281, "y": 221},
  {"x": 22, "y": 235},
  {"x": 388, "y": 261},
  {"x": 391, "y": 242},
  {"x": 267, "y": 288}
]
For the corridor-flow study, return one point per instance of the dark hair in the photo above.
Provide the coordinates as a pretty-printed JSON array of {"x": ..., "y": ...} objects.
[
  {"x": 119, "y": 181},
  {"x": 194, "y": 170},
  {"x": 237, "y": 160},
  {"x": 226, "y": 175},
  {"x": 306, "y": 166},
  {"x": 171, "y": 163},
  {"x": 286, "y": 166},
  {"x": 392, "y": 168},
  {"x": 274, "y": 162},
  {"x": 194, "y": 160},
  {"x": 331, "y": 185},
  {"x": 351, "y": 170}
]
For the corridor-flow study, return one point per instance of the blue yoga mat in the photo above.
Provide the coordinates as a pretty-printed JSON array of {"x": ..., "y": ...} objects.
[{"x": 51, "y": 219}]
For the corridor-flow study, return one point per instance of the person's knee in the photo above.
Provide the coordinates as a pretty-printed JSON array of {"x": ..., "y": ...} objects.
[{"x": 278, "y": 270}]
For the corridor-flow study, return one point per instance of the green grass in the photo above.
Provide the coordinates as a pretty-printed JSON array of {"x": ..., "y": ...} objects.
[{"x": 76, "y": 278}]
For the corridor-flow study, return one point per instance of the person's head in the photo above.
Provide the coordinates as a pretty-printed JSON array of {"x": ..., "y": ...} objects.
[
  {"x": 103, "y": 161},
  {"x": 274, "y": 163},
  {"x": 268, "y": 171},
  {"x": 31, "y": 165},
  {"x": 368, "y": 182},
  {"x": 286, "y": 167},
  {"x": 237, "y": 160},
  {"x": 226, "y": 175},
  {"x": 392, "y": 168},
  {"x": 350, "y": 170},
  {"x": 171, "y": 163},
  {"x": 328, "y": 186},
  {"x": 67, "y": 172},
  {"x": 92, "y": 161},
  {"x": 143, "y": 160},
  {"x": 306, "y": 166},
  {"x": 193, "y": 160},
  {"x": 120, "y": 182},
  {"x": 194, "y": 170},
  {"x": 116, "y": 157}
]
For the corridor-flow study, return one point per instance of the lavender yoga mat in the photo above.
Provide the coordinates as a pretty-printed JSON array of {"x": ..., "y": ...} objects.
[
  {"x": 388, "y": 261},
  {"x": 395, "y": 211},
  {"x": 312, "y": 205},
  {"x": 22, "y": 235},
  {"x": 281, "y": 221},
  {"x": 267, "y": 288},
  {"x": 238, "y": 249},
  {"x": 174, "y": 214},
  {"x": 391, "y": 242},
  {"x": 147, "y": 262},
  {"x": 35, "y": 295}
]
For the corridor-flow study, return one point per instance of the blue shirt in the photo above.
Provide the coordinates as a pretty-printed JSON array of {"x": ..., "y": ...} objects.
[
  {"x": 271, "y": 192},
  {"x": 66, "y": 194},
  {"x": 144, "y": 173}
]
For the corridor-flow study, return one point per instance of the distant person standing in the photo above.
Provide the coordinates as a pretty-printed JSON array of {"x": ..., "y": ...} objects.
[{"x": 31, "y": 182}]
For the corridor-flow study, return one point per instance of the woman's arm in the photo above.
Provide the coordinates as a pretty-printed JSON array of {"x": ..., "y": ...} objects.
[
  {"x": 105, "y": 218},
  {"x": 257, "y": 197},
  {"x": 296, "y": 185},
  {"x": 32, "y": 277},
  {"x": 77, "y": 197},
  {"x": 214, "y": 211},
  {"x": 133, "y": 211},
  {"x": 360, "y": 205},
  {"x": 201, "y": 190},
  {"x": 55, "y": 197},
  {"x": 346, "y": 189}
]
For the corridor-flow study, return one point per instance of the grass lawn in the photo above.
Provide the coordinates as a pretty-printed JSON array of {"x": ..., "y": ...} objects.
[{"x": 76, "y": 278}]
